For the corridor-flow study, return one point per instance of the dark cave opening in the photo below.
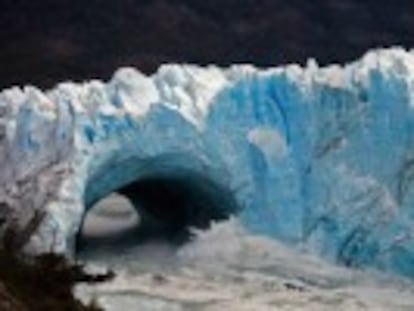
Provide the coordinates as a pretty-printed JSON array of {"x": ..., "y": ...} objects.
[{"x": 154, "y": 208}]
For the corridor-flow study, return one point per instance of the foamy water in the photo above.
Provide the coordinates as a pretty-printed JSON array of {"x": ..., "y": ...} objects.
[{"x": 227, "y": 268}]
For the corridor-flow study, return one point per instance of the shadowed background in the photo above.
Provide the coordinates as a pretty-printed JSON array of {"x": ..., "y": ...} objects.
[{"x": 46, "y": 41}]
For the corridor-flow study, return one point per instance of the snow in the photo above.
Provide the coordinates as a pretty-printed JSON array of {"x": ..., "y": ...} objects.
[{"x": 319, "y": 158}]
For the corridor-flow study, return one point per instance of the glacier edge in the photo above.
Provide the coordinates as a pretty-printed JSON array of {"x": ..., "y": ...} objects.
[{"x": 321, "y": 158}]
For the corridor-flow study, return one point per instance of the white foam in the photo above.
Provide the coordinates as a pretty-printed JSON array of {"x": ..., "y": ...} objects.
[{"x": 228, "y": 268}]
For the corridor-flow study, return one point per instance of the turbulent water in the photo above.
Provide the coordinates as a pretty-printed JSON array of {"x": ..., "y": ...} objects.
[{"x": 223, "y": 268}]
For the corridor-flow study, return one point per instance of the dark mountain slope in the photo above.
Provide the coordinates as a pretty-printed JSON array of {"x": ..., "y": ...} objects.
[{"x": 46, "y": 41}]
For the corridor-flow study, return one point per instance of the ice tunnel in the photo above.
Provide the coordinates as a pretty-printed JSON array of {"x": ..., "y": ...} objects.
[{"x": 319, "y": 158}]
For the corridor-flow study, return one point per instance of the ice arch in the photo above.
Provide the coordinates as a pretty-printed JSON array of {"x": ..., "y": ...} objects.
[
  {"x": 168, "y": 193},
  {"x": 317, "y": 157}
]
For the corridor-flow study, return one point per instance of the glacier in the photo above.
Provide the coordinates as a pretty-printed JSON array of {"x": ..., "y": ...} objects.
[{"x": 321, "y": 158}]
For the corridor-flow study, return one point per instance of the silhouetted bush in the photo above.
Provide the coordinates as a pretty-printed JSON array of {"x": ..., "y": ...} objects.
[{"x": 41, "y": 283}]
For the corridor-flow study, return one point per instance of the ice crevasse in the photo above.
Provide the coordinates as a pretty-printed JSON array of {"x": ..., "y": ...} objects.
[{"x": 319, "y": 157}]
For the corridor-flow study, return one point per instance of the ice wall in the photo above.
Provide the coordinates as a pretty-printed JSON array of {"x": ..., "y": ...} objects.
[{"x": 321, "y": 158}]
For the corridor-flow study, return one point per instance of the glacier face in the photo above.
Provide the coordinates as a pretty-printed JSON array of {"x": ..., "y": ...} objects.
[{"x": 321, "y": 158}]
